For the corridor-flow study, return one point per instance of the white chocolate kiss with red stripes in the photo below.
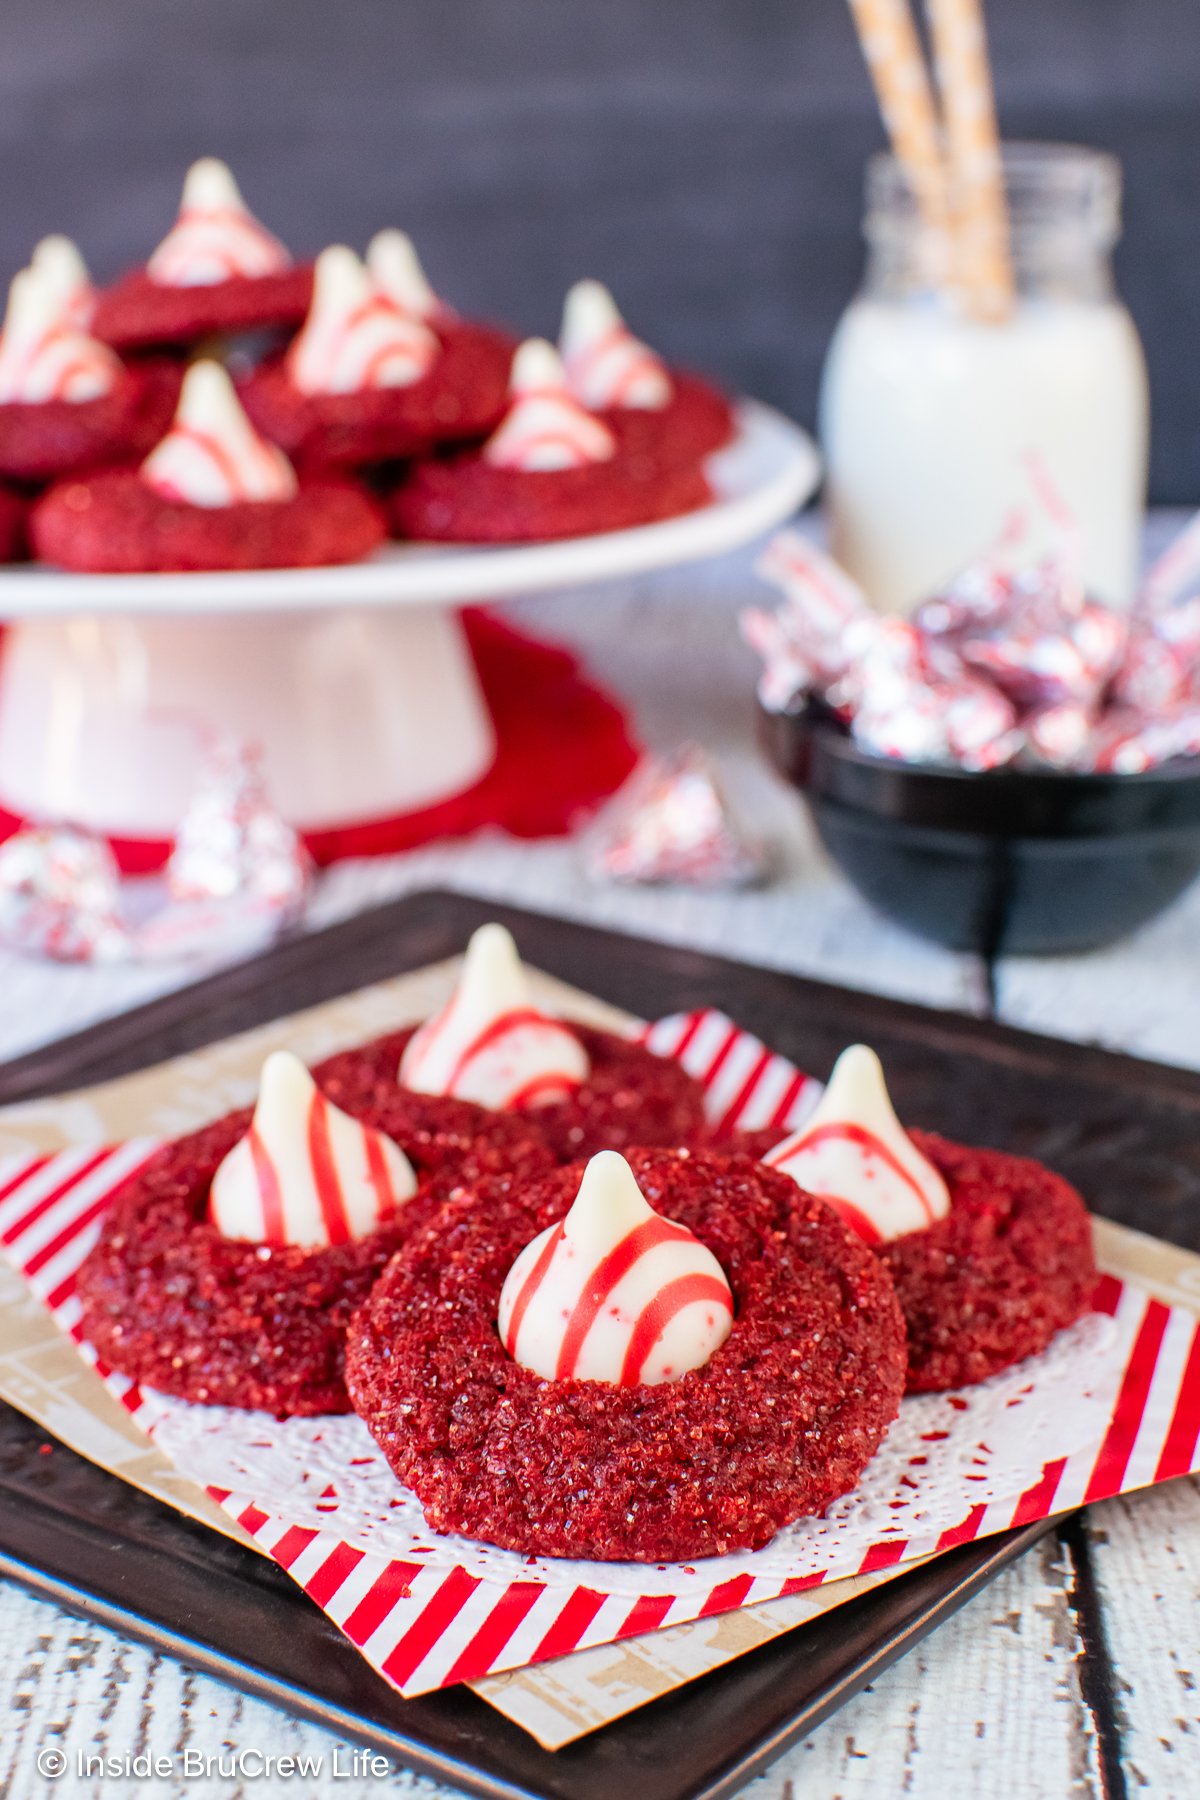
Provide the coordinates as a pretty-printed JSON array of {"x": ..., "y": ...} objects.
[
  {"x": 43, "y": 355},
  {"x": 395, "y": 268},
  {"x": 605, "y": 364},
  {"x": 215, "y": 238},
  {"x": 854, "y": 1152},
  {"x": 489, "y": 1043},
  {"x": 615, "y": 1292},
  {"x": 306, "y": 1173},
  {"x": 57, "y": 260},
  {"x": 545, "y": 428},
  {"x": 355, "y": 336},
  {"x": 212, "y": 456}
]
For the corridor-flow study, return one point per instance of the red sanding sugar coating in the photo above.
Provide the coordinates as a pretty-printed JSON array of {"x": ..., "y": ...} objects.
[
  {"x": 114, "y": 523},
  {"x": 172, "y": 1303},
  {"x": 630, "y": 1097},
  {"x": 466, "y": 500},
  {"x": 463, "y": 396},
  {"x": 697, "y": 421},
  {"x": 136, "y": 313},
  {"x": 991, "y": 1283},
  {"x": 52, "y": 438},
  {"x": 782, "y": 1419}
]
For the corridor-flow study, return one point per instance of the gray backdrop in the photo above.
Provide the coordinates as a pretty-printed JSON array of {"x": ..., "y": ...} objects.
[{"x": 703, "y": 156}]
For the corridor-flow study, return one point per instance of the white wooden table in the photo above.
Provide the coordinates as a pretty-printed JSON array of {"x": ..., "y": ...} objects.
[{"x": 1002, "y": 1703}]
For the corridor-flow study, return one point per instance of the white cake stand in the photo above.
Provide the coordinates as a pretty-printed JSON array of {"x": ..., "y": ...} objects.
[{"x": 356, "y": 681}]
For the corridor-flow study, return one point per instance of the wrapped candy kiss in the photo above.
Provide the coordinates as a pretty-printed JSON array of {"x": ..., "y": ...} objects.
[
  {"x": 60, "y": 896},
  {"x": 672, "y": 822},
  {"x": 1009, "y": 662}
]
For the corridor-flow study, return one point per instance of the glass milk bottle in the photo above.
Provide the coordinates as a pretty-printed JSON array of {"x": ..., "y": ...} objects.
[{"x": 931, "y": 420}]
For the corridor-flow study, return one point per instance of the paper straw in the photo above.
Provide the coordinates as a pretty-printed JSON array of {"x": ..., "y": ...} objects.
[
  {"x": 973, "y": 149},
  {"x": 893, "y": 55}
]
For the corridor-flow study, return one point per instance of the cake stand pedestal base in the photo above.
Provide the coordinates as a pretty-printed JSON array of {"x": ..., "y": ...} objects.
[{"x": 361, "y": 713}]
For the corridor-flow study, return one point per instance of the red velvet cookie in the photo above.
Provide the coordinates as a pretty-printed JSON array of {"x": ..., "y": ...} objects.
[
  {"x": 463, "y": 396},
  {"x": 781, "y": 1421},
  {"x": 171, "y": 1302},
  {"x": 991, "y": 1282},
  {"x": 697, "y": 421},
  {"x": 631, "y": 1096},
  {"x": 115, "y": 523},
  {"x": 50, "y": 439},
  {"x": 137, "y": 313},
  {"x": 1010, "y": 1264},
  {"x": 466, "y": 500}
]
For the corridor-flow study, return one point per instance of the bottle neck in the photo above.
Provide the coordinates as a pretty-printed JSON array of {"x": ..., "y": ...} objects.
[
  {"x": 1064, "y": 215},
  {"x": 1057, "y": 268}
]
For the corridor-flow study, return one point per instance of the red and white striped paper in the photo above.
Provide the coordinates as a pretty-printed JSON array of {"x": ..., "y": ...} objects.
[{"x": 428, "y": 1625}]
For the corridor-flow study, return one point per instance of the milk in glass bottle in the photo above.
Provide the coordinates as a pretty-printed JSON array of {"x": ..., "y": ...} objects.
[{"x": 933, "y": 419}]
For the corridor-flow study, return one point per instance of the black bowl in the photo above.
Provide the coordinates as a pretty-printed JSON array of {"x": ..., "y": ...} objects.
[{"x": 1013, "y": 861}]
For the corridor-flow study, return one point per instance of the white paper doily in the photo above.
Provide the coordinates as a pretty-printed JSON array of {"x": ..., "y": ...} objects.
[{"x": 945, "y": 1455}]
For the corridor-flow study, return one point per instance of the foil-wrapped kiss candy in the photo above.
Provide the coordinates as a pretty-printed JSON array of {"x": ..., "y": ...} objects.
[
  {"x": 238, "y": 874},
  {"x": 672, "y": 823},
  {"x": 1012, "y": 662}
]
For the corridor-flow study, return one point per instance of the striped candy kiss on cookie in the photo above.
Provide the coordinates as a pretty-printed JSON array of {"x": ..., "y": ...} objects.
[
  {"x": 614, "y": 1292},
  {"x": 216, "y": 237},
  {"x": 355, "y": 336},
  {"x": 545, "y": 428},
  {"x": 854, "y": 1152},
  {"x": 44, "y": 353},
  {"x": 57, "y": 262},
  {"x": 395, "y": 268},
  {"x": 489, "y": 1043},
  {"x": 605, "y": 364},
  {"x": 306, "y": 1172},
  {"x": 212, "y": 456}
]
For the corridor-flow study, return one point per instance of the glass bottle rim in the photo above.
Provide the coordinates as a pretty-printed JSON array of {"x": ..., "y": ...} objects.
[{"x": 1050, "y": 187}]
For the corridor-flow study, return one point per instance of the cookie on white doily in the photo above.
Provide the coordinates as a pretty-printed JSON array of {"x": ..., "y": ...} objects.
[{"x": 944, "y": 1455}]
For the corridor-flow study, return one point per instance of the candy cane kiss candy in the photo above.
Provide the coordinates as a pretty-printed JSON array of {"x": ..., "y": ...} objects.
[
  {"x": 614, "y": 1292},
  {"x": 306, "y": 1172},
  {"x": 545, "y": 428},
  {"x": 216, "y": 237},
  {"x": 854, "y": 1152},
  {"x": 605, "y": 364},
  {"x": 489, "y": 1043},
  {"x": 44, "y": 355},
  {"x": 212, "y": 455},
  {"x": 356, "y": 337}
]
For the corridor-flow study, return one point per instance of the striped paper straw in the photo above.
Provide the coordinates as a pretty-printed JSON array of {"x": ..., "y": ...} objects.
[
  {"x": 973, "y": 148},
  {"x": 893, "y": 55}
]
